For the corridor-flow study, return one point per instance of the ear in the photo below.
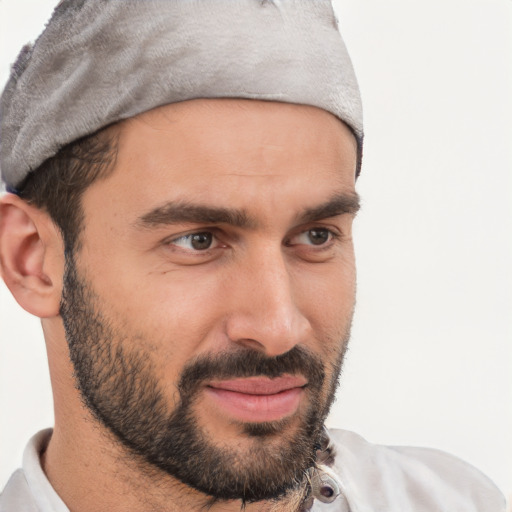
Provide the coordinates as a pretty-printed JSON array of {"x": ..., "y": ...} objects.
[{"x": 31, "y": 256}]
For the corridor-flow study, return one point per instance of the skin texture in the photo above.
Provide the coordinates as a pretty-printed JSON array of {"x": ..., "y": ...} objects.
[{"x": 264, "y": 286}]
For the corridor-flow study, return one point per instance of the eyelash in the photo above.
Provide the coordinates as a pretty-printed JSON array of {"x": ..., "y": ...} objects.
[
  {"x": 332, "y": 237},
  {"x": 190, "y": 235}
]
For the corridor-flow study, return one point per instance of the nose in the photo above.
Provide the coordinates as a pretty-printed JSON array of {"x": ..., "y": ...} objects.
[{"x": 265, "y": 314}]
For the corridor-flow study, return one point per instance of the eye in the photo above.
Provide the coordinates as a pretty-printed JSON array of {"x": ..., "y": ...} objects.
[
  {"x": 195, "y": 241},
  {"x": 314, "y": 236}
]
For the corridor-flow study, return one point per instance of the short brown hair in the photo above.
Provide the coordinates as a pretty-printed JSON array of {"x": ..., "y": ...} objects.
[{"x": 57, "y": 185}]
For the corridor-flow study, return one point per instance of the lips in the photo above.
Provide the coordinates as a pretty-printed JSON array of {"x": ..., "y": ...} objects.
[{"x": 257, "y": 399}]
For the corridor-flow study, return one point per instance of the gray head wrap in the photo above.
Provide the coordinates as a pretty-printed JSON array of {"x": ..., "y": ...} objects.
[{"x": 101, "y": 61}]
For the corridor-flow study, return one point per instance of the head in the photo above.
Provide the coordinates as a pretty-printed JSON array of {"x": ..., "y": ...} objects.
[{"x": 198, "y": 259}]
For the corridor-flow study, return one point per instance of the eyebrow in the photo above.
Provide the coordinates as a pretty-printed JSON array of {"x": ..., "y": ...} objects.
[
  {"x": 339, "y": 204},
  {"x": 175, "y": 212}
]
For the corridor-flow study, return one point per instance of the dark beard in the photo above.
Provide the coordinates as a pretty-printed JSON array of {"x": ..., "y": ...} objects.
[{"x": 118, "y": 384}]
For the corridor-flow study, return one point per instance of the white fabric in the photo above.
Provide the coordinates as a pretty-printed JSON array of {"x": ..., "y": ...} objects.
[
  {"x": 378, "y": 478},
  {"x": 373, "y": 478},
  {"x": 28, "y": 489}
]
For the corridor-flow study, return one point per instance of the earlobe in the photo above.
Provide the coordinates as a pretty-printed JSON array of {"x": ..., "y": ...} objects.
[{"x": 31, "y": 256}]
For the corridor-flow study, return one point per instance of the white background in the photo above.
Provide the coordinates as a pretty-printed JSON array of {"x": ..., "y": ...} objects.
[{"x": 431, "y": 359}]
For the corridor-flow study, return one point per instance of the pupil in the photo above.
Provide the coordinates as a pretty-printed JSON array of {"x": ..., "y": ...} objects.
[
  {"x": 201, "y": 241},
  {"x": 318, "y": 236}
]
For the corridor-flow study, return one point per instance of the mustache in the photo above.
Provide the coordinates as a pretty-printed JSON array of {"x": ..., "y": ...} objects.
[{"x": 250, "y": 363}]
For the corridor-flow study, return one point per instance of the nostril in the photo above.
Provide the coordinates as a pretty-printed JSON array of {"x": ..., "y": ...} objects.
[{"x": 250, "y": 344}]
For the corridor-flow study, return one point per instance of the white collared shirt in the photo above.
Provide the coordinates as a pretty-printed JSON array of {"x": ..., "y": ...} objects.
[{"x": 372, "y": 478}]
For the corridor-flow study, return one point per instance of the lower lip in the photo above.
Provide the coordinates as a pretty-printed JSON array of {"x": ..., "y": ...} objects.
[{"x": 257, "y": 408}]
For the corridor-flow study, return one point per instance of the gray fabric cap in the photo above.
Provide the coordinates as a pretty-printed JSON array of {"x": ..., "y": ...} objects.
[{"x": 101, "y": 61}]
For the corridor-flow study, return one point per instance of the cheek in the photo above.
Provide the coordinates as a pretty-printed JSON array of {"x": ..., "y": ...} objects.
[
  {"x": 327, "y": 296},
  {"x": 167, "y": 315}
]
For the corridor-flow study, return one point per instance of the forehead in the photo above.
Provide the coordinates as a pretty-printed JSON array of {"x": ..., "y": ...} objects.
[{"x": 229, "y": 151}]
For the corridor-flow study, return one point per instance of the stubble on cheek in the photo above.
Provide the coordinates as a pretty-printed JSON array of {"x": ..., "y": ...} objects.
[{"x": 130, "y": 392}]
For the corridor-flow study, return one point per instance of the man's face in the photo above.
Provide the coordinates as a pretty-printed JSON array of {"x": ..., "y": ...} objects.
[{"x": 209, "y": 306}]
